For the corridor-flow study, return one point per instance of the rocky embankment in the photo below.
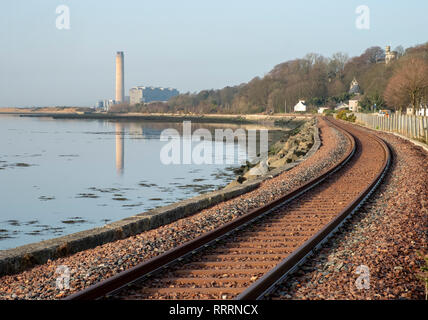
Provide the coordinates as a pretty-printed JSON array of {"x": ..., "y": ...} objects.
[{"x": 291, "y": 147}]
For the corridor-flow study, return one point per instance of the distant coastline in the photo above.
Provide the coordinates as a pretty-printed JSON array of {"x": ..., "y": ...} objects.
[{"x": 82, "y": 113}]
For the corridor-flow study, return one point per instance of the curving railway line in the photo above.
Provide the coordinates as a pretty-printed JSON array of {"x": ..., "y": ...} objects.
[{"x": 247, "y": 257}]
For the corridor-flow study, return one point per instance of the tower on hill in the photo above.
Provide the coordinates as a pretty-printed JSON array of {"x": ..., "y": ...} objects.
[{"x": 389, "y": 55}]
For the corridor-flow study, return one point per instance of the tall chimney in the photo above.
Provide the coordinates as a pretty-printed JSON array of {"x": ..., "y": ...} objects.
[{"x": 120, "y": 89}]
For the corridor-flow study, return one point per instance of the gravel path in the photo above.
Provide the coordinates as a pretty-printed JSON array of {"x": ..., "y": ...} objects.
[
  {"x": 91, "y": 266},
  {"x": 386, "y": 235}
]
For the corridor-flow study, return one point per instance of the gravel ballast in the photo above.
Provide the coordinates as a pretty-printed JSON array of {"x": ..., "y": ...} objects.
[
  {"x": 93, "y": 265},
  {"x": 387, "y": 235}
]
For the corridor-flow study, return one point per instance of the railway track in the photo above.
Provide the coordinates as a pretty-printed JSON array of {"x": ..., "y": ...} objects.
[{"x": 247, "y": 257}]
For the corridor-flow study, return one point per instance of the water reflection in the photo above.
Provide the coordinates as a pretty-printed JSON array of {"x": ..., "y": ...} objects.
[
  {"x": 93, "y": 188},
  {"x": 153, "y": 131},
  {"x": 120, "y": 148}
]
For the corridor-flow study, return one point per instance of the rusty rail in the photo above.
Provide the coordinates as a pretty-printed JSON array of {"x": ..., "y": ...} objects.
[
  {"x": 267, "y": 283},
  {"x": 264, "y": 284}
]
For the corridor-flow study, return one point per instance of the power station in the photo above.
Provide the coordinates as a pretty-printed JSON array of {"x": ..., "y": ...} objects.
[
  {"x": 120, "y": 77},
  {"x": 141, "y": 94}
]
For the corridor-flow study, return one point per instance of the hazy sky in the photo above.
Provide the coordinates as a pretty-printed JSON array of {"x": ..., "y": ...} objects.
[{"x": 188, "y": 44}]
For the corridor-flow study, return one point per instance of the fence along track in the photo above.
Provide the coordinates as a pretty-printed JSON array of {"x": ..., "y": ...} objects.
[
  {"x": 411, "y": 126},
  {"x": 221, "y": 250}
]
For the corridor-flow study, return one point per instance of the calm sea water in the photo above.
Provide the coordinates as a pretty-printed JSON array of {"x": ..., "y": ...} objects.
[{"x": 62, "y": 176}]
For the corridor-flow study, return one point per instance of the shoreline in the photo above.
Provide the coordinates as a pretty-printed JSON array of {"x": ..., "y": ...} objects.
[
  {"x": 23, "y": 257},
  {"x": 292, "y": 146},
  {"x": 161, "y": 117},
  {"x": 90, "y": 266}
]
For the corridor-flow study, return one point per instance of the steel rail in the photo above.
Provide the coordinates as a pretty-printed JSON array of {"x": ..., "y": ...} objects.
[
  {"x": 147, "y": 268},
  {"x": 263, "y": 286}
]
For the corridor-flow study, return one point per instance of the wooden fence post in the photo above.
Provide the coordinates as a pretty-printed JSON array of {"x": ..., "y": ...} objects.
[
  {"x": 426, "y": 128},
  {"x": 398, "y": 123},
  {"x": 407, "y": 126},
  {"x": 415, "y": 132}
]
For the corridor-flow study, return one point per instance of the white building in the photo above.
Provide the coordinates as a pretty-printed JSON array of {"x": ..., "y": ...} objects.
[
  {"x": 300, "y": 106},
  {"x": 354, "y": 103}
]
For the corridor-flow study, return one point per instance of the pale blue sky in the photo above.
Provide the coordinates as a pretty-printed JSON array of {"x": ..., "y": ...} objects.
[{"x": 189, "y": 44}]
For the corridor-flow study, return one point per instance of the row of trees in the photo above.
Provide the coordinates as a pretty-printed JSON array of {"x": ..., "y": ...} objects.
[
  {"x": 320, "y": 81},
  {"x": 315, "y": 78}
]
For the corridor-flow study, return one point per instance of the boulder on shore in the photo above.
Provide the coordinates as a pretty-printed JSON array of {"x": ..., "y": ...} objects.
[{"x": 287, "y": 150}]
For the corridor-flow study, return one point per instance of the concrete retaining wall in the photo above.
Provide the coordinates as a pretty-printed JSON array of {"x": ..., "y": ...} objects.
[{"x": 24, "y": 257}]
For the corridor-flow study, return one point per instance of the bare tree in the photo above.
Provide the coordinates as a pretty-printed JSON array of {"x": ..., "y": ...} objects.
[
  {"x": 400, "y": 51},
  {"x": 408, "y": 85},
  {"x": 373, "y": 54},
  {"x": 337, "y": 64}
]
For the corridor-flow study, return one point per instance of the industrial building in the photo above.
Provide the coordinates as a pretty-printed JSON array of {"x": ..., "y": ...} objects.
[{"x": 144, "y": 94}]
